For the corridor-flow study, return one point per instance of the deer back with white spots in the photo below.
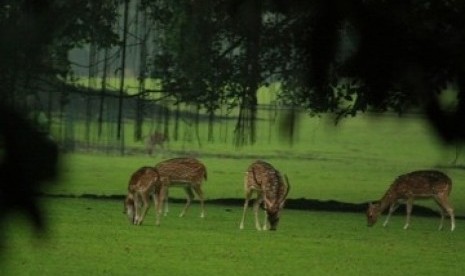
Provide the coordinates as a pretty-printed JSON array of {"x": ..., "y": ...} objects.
[{"x": 188, "y": 173}]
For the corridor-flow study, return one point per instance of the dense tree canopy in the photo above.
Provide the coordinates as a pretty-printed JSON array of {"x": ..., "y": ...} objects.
[
  {"x": 339, "y": 56},
  {"x": 329, "y": 56},
  {"x": 35, "y": 39}
]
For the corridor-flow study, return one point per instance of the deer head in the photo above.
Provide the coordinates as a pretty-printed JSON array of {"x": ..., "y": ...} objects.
[
  {"x": 372, "y": 213},
  {"x": 129, "y": 208}
]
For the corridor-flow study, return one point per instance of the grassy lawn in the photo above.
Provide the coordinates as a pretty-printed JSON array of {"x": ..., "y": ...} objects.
[
  {"x": 354, "y": 162},
  {"x": 92, "y": 237}
]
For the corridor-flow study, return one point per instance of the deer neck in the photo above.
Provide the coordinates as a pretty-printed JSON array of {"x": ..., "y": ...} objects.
[{"x": 386, "y": 201}]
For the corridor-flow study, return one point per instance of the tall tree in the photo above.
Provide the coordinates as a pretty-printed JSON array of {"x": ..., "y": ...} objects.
[
  {"x": 340, "y": 56},
  {"x": 404, "y": 53},
  {"x": 210, "y": 59},
  {"x": 36, "y": 37}
]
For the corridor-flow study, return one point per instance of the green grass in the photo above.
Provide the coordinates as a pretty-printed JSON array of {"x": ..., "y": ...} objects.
[
  {"x": 354, "y": 162},
  {"x": 93, "y": 237}
]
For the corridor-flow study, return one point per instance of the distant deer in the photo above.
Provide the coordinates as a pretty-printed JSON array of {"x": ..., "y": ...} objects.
[
  {"x": 188, "y": 173},
  {"x": 417, "y": 184},
  {"x": 154, "y": 139},
  {"x": 262, "y": 178},
  {"x": 144, "y": 182}
]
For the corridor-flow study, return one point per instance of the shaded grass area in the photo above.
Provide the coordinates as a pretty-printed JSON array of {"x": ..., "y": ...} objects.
[
  {"x": 349, "y": 183},
  {"x": 302, "y": 204}
]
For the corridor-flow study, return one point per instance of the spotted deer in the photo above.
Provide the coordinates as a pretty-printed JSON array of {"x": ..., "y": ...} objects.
[
  {"x": 263, "y": 179},
  {"x": 144, "y": 183},
  {"x": 188, "y": 173},
  {"x": 154, "y": 139},
  {"x": 407, "y": 187}
]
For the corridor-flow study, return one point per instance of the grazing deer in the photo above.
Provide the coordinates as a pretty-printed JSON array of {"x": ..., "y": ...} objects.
[
  {"x": 154, "y": 139},
  {"x": 144, "y": 182},
  {"x": 407, "y": 187},
  {"x": 188, "y": 173},
  {"x": 266, "y": 181}
]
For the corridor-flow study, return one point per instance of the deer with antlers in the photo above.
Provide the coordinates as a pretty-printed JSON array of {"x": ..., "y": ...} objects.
[
  {"x": 144, "y": 183},
  {"x": 262, "y": 178},
  {"x": 407, "y": 187},
  {"x": 188, "y": 173}
]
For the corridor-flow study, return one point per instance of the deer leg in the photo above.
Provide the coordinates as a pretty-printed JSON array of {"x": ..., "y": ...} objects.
[
  {"x": 140, "y": 205},
  {"x": 160, "y": 195},
  {"x": 190, "y": 197},
  {"x": 145, "y": 207},
  {"x": 199, "y": 192},
  {"x": 246, "y": 205},
  {"x": 265, "y": 221},
  {"x": 165, "y": 212},
  {"x": 265, "y": 217},
  {"x": 409, "y": 206},
  {"x": 444, "y": 204},
  {"x": 392, "y": 209},
  {"x": 256, "y": 206},
  {"x": 450, "y": 212},
  {"x": 137, "y": 209},
  {"x": 441, "y": 224},
  {"x": 158, "y": 203},
  {"x": 442, "y": 211}
]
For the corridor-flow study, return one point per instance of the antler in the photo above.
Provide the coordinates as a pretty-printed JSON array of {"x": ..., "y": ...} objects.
[{"x": 288, "y": 188}]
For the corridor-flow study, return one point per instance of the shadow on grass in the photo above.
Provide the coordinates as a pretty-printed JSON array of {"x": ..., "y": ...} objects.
[{"x": 294, "y": 204}]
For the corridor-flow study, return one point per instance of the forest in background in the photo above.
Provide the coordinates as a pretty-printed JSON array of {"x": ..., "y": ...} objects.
[{"x": 81, "y": 62}]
